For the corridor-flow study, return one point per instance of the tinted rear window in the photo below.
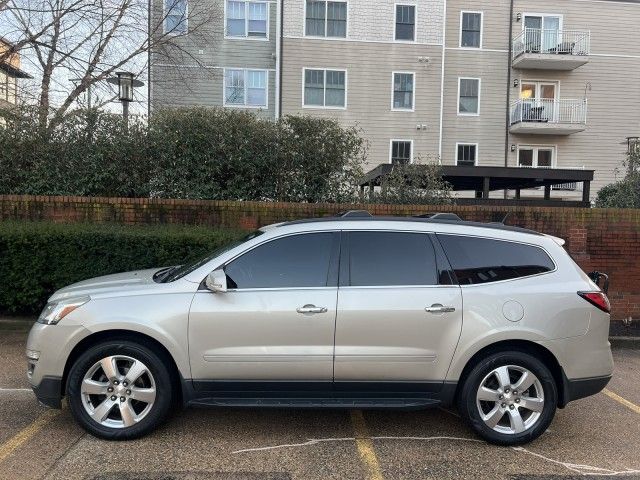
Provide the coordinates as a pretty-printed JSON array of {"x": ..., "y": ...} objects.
[
  {"x": 391, "y": 258},
  {"x": 482, "y": 260}
]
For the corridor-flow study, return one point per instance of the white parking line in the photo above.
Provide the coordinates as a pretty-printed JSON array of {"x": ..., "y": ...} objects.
[
  {"x": 585, "y": 470},
  {"x": 10, "y": 390}
]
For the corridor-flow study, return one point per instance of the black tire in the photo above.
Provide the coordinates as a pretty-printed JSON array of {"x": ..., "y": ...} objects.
[
  {"x": 468, "y": 407},
  {"x": 160, "y": 409}
]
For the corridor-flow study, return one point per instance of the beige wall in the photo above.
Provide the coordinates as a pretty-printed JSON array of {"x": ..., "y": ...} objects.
[
  {"x": 612, "y": 73},
  {"x": 369, "y": 69}
]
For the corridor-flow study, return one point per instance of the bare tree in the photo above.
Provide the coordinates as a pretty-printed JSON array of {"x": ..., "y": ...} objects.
[{"x": 90, "y": 40}]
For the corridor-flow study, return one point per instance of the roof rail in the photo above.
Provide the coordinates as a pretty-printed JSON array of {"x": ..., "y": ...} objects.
[
  {"x": 440, "y": 216},
  {"x": 354, "y": 213}
]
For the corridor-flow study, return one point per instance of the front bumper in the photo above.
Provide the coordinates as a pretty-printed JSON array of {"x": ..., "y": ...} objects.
[{"x": 49, "y": 391}]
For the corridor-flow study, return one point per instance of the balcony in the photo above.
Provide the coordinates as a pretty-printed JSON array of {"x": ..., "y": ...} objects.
[
  {"x": 539, "y": 116},
  {"x": 537, "y": 49}
]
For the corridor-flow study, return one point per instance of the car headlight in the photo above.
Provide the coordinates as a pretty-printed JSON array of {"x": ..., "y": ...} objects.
[{"x": 56, "y": 311}]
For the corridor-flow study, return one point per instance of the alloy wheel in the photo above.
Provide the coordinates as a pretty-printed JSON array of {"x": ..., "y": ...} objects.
[
  {"x": 118, "y": 391},
  {"x": 510, "y": 399}
]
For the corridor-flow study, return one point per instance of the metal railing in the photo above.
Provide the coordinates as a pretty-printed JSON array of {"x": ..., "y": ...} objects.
[
  {"x": 544, "y": 110},
  {"x": 554, "y": 42},
  {"x": 565, "y": 187}
]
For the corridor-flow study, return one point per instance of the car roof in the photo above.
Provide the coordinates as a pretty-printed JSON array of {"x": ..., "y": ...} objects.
[{"x": 433, "y": 220}]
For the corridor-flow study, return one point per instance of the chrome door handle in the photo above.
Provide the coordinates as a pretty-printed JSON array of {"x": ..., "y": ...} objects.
[
  {"x": 439, "y": 308},
  {"x": 311, "y": 309}
]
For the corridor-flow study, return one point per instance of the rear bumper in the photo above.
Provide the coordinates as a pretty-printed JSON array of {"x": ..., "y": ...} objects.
[
  {"x": 49, "y": 391},
  {"x": 581, "y": 388}
]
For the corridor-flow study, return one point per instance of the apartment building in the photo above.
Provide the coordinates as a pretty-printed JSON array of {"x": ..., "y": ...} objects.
[
  {"x": 537, "y": 83},
  {"x": 10, "y": 74}
]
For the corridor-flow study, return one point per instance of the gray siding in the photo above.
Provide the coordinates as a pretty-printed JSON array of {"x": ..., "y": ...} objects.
[
  {"x": 369, "y": 75},
  {"x": 194, "y": 75}
]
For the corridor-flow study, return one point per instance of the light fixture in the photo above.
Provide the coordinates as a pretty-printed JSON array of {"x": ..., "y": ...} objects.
[
  {"x": 513, "y": 147},
  {"x": 516, "y": 82},
  {"x": 125, "y": 86},
  {"x": 125, "y": 82},
  {"x": 518, "y": 17}
]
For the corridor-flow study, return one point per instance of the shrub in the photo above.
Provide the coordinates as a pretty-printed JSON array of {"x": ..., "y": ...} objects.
[
  {"x": 625, "y": 193},
  {"x": 197, "y": 153},
  {"x": 413, "y": 184},
  {"x": 38, "y": 258}
]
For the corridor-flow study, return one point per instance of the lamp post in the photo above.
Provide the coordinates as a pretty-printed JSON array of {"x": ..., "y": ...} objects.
[{"x": 126, "y": 83}]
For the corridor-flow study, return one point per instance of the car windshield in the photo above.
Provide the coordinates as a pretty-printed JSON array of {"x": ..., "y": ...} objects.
[{"x": 171, "y": 274}]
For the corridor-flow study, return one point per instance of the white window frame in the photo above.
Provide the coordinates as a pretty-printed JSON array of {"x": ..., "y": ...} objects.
[
  {"x": 324, "y": 97},
  {"x": 415, "y": 21},
  {"x": 326, "y": 21},
  {"x": 535, "y": 148},
  {"x": 186, "y": 20},
  {"x": 466, "y": 114},
  {"x": 538, "y": 83},
  {"x": 401, "y": 140},
  {"x": 462, "y": 12},
  {"x": 413, "y": 99},
  {"x": 476, "y": 160},
  {"x": 548, "y": 14},
  {"x": 246, "y": 21},
  {"x": 245, "y": 70}
]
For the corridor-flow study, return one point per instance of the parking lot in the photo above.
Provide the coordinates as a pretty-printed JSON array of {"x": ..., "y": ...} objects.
[{"x": 597, "y": 436}]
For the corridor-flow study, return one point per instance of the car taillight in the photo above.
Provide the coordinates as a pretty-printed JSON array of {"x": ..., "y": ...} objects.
[{"x": 597, "y": 299}]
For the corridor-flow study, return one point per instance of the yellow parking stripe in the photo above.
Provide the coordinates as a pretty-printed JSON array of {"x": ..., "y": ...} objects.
[
  {"x": 365, "y": 446},
  {"x": 621, "y": 400},
  {"x": 8, "y": 447}
]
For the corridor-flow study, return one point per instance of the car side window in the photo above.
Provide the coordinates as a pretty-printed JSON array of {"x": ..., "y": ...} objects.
[
  {"x": 483, "y": 260},
  {"x": 391, "y": 259},
  {"x": 302, "y": 260}
]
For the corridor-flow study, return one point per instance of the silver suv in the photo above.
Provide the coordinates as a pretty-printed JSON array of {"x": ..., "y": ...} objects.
[{"x": 345, "y": 312}]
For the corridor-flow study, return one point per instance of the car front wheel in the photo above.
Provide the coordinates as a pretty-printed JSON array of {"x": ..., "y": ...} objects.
[
  {"x": 509, "y": 398},
  {"x": 119, "y": 390}
]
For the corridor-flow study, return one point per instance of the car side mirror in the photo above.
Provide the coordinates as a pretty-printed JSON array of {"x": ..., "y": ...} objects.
[{"x": 216, "y": 281}]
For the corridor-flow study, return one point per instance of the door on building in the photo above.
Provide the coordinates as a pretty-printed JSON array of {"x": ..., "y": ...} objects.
[
  {"x": 536, "y": 156},
  {"x": 542, "y": 32},
  {"x": 539, "y": 101}
]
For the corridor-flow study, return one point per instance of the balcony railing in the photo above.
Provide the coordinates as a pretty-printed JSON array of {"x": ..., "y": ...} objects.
[
  {"x": 552, "y": 42},
  {"x": 541, "y": 110}
]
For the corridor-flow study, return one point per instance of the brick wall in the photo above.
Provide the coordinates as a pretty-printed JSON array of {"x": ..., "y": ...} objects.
[{"x": 598, "y": 239}]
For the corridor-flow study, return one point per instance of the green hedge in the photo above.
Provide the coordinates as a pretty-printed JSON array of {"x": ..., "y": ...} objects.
[
  {"x": 38, "y": 258},
  {"x": 196, "y": 153}
]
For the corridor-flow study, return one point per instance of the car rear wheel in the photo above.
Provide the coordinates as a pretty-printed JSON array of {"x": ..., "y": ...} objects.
[
  {"x": 119, "y": 390},
  {"x": 509, "y": 398}
]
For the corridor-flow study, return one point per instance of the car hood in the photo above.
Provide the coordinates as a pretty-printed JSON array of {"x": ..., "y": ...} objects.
[{"x": 119, "y": 282}]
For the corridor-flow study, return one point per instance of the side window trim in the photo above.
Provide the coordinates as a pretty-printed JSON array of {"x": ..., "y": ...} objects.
[
  {"x": 332, "y": 271},
  {"x": 442, "y": 262}
]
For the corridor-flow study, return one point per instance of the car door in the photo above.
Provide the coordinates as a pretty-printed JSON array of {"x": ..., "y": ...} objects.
[
  {"x": 399, "y": 313},
  {"x": 276, "y": 321}
]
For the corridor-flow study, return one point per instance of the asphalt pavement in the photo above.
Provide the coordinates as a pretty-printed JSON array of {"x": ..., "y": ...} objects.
[{"x": 597, "y": 436}]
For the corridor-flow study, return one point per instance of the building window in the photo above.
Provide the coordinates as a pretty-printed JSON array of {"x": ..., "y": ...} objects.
[
  {"x": 245, "y": 88},
  {"x": 401, "y": 152},
  {"x": 534, "y": 156},
  {"x": 175, "y": 17},
  {"x": 326, "y": 19},
  {"x": 467, "y": 154},
  {"x": 471, "y": 29},
  {"x": 405, "y": 23},
  {"x": 247, "y": 19},
  {"x": 325, "y": 88},
  {"x": 468, "y": 96},
  {"x": 403, "y": 91}
]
